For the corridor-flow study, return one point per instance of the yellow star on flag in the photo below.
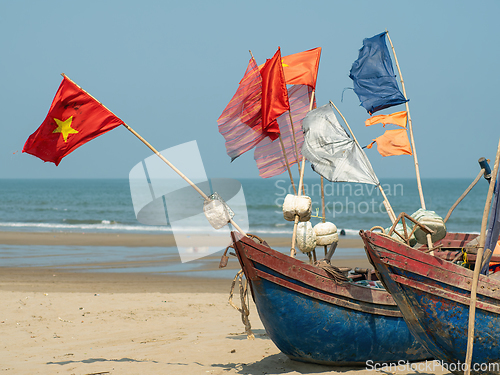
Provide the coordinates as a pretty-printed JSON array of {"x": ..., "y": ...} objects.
[
  {"x": 283, "y": 64},
  {"x": 65, "y": 128}
]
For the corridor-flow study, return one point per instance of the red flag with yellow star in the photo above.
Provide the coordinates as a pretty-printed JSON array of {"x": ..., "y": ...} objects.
[
  {"x": 74, "y": 118},
  {"x": 302, "y": 68}
]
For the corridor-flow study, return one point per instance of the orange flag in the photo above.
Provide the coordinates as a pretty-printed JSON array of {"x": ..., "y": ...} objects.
[
  {"x": 397, "y": 118},
  {"x": 74, "y": 118},
  {"x": 274, "y": 95},
  {"x": 393, "y": 142},
  {"x": 302, "y": 68}
]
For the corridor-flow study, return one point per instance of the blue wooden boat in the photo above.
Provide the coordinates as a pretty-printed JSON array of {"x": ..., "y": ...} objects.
[
  {"x": 433, "y": 295},
  {"x": 312, "y": 318}
]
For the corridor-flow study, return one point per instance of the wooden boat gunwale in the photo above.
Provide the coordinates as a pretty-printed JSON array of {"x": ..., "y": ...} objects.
[{"x": 272, "y": 274}]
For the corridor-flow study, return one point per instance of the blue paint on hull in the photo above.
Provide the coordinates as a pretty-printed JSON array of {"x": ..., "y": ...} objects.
[
  {"x": 439, "y": 322},
  {"x": 311, "y": 330},
  {"x": 442, "y": 325}
]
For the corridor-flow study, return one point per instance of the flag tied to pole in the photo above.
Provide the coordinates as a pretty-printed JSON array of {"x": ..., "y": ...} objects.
[
  {"x": 302, "y": 68},
  {"x": 373, "y": 76},
  {"x": 395, "y": 141},
  {"x": 261, "y": 93},
  {"x": 397, "y": 118},
  {"x": 332, "y": 153},
  {"x": 240, "y": 122},
  {"x": 74, "y": 118},
  {"x": 274, "y": 95}
]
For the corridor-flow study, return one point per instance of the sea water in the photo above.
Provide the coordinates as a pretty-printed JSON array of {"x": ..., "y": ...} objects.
[{"x": 106, "y": 206}]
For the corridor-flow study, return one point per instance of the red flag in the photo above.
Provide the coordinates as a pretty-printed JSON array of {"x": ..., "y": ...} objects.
[
  {"x": 74, "y": 118},
  {"x": 240, "y": 122},
  {"x": 274, "y": 95},
  {"x": 302, "y": 68}
]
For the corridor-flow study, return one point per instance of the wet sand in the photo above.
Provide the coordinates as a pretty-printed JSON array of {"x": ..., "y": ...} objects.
[
  {"x": 57, "y": 321},
  {"x": 125, "y": 239}
]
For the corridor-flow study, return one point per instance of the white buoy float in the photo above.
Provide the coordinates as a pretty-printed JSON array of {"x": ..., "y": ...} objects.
[
  {"x": 326, "y": 234},
  {"x": 297, "y": 205},
  {"x": 306, "y": 238}
]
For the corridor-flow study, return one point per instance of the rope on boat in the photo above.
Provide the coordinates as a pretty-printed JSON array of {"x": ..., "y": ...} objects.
[
  {"x": 333, "y": 271},
  {"x": 245, "y": 301}
]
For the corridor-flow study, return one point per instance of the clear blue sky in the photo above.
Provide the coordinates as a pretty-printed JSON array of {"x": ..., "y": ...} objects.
[{"x": 168, "y": 69}]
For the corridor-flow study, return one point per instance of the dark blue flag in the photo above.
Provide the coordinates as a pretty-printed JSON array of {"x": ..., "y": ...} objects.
[{"x": 373, "y": 76}]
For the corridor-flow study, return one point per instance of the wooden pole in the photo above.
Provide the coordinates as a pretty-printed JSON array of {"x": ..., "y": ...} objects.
[
  {"x": 412, "y": 139},
  {"x": 477, "y": 267},
  {"x": 293, "y": 129},
  {"x": 464, "y": 194},
  {"x": 296, "y": 222},
  {"x": 294, "y": 139},
  {"x": 388, "y": 207},
  {"x": 323, "y": 200},
  {"x": 179, "y": 173},
  {"x": 287, "y": 165},
  {"x": 301, "y": 180},
  {"x": 205, "y": 197},
  {"x": 312, "y": 100},
  {"x": 415, "y": 159},
  {"x": 323, "y": 214}
]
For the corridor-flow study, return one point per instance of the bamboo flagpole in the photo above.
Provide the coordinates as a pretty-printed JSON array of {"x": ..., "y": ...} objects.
[
  {"x": 294, "y": 139},
  {"x": 387, "y": 204},
  {"x": 301, "y": 180},
  {"x": 477, "y": 267},
  {"x": 414, "y": 151},
  {"x": 296, "y": 222},
  {"x": 287, "y": 164},
  {"x": 323, "y": 214},
  {"x": 481, "y": 173},
  {"x": 412, "y": 139},
  {"x": 205, "y": 197}
]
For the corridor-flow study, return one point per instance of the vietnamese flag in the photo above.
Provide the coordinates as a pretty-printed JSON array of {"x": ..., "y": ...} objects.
[
  {"x": 74, "y": 118},
  {"x": 274, "y": 95},
  {"x": 302, "y": 68}
]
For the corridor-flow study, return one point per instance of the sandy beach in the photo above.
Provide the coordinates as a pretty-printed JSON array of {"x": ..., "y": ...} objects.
[
  {"x": 124, "y": 239},
  {"x": 55, "y": 321}
]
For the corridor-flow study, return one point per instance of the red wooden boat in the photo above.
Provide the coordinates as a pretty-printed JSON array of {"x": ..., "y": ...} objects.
[
  {"x": 433, "y": 295},
  {"x": 312, "y": 318}
]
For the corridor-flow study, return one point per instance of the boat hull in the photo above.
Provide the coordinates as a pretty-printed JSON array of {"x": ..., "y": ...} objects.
[
  {"x": 311, "y": 318},
  {"x": 434, "y": 297}
]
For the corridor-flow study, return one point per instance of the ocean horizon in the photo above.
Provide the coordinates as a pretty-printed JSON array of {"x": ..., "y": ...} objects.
[{"x": 105, "y": 205}]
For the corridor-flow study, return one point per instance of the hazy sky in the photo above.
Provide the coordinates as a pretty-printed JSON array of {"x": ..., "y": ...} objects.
[{"x": 168, "y": 69}]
